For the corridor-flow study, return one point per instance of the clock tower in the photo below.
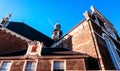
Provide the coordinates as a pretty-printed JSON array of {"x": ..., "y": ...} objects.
[{"x": 56, "y": 33}]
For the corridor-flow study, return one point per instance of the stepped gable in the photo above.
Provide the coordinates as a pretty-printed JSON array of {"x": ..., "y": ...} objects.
[{"x": 29, "y": 32}]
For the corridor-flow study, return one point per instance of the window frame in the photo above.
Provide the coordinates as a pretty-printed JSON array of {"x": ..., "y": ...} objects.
[
  {"x": 8, "y": 69},
  {"x": 25, "y": 64},
  {"x": 52, "y": 66}
]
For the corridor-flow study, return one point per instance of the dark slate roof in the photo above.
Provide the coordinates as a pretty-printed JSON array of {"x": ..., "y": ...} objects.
[
  {"x": 29, "y": 32},
  {"x": 46, "y": 52},
  {"x": 59, "y": 51},
  {"x": 15, "y": 53}
]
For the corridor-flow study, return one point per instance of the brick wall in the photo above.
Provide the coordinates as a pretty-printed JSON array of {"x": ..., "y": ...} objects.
[
  {"x": 17, "y": 65},
  {"x": 44, "y": 65},
  {"x": 71, "y": 64},
  {"x": 75, "y": 64},
  {"x": 10, "y": 42},
  {"x": 80, "y": 39}
]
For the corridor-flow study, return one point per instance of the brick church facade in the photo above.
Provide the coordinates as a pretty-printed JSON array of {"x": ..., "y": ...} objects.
[{"x": 93, "y": 44}]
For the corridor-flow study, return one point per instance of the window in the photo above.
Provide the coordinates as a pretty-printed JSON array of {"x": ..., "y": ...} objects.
[
  {"x": 55, "y": 33},
  {"x": 112, "y": 50},
  {"x": 5, "y": 66},
  {"x": 110, "y": 31},
  {"x": 58, "y": 66},
  {"x": 30, "y": 66},
  {"x": 34, "y": 48}
]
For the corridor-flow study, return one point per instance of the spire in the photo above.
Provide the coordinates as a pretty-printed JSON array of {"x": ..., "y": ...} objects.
[{"x": 56, "y": 33}]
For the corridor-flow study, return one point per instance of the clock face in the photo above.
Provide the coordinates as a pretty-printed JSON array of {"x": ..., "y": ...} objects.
[{"x": 34, "y": 48}]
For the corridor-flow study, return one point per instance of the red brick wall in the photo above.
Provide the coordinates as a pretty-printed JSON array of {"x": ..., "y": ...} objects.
[
  {"x": 71, "y": 64},
  {"x": 81, "y": 40},
  {"x": 17, "y": 65},
  {"x": 44, "y": 65},
  {"x": 75, "y": 64},
  {"x": 10, "y": 42}
]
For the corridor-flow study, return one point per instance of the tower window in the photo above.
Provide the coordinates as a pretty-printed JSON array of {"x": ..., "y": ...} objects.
[
  {"x": 55, "y": 33},
  {"x": 5, "y": 66},
  {"x": 58, "y": 66},
  {"x": 30, "y": 66}
]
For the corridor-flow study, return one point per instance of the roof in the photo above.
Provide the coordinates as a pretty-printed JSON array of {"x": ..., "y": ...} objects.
[
  {"x": 59, "y": 52},
  {"x": 14, "y": 53},
  {"x": 29, "y": 32},
  {"x": 45, "y": 52}
]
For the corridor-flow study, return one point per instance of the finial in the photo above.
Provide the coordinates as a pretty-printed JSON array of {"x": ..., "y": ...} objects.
[{"x": 93, "y": 9}]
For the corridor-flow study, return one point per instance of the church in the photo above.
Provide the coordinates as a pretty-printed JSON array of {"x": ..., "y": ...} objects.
[{"x": 93, "y": 44}]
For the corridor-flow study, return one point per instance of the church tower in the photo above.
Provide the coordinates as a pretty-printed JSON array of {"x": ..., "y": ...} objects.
[
  {"x": 96, "y": 37},
  {"x": 56, "y": 33}
]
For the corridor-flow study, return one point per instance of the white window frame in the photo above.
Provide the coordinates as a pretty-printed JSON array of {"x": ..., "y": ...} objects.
[
  {"x": 52, "y": 66},
  {"x": 8, "y": 69},
  {"x": 112, "y": 50},
  {"x": 36, "y": 62},
  {"x": 110, "y": 31},
  {"x": 38, "y": 50}
]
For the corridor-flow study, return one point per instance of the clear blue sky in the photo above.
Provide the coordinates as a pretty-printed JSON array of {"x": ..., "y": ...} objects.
[{"x": 38, "y": 13}]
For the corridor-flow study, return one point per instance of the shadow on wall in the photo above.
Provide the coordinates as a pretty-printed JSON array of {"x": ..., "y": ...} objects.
[
  {"x": 67, "y": 43},
  {"x": 92, "y": 64}
]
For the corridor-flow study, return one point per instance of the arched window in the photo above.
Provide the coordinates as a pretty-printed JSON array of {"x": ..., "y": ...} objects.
[
  {"x": 112, "y": 50},
  {"x": 110, "y": 31}
]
